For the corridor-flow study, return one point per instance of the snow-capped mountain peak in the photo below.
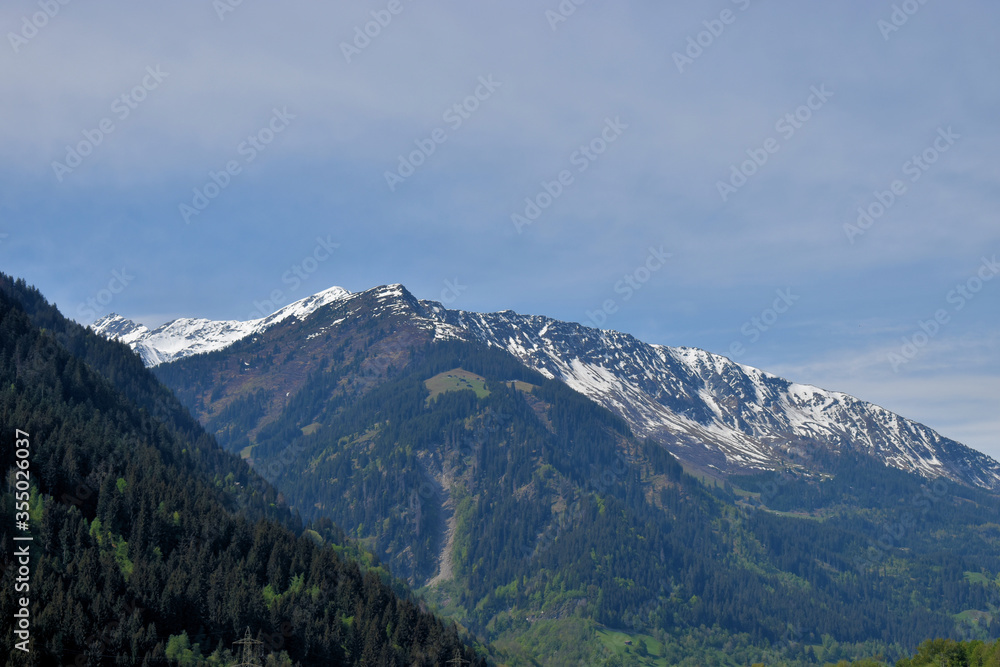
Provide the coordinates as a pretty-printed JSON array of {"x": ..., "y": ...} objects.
[
  {"x": 716, "y": 414},
  {"x": 120, "y": 328},
  {"x": 185, "y": 336}
]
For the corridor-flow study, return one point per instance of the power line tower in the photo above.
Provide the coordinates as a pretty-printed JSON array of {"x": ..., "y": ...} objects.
[
  {"x": 457, "y": 660},
  {"x": 249, "y": 651}
]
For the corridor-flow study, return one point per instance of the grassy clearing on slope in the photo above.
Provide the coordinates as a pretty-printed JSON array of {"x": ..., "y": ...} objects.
[
  {"x": 526, "y": 387},
  {"x": 312, "y": 428},
  {"x": 564, "y": 641},
  {"x": 977, "y": 578},
  {"x": 456, "y": 379},
  {"x": 574, "y": 641},
  {"x": 648, "y": 650}
]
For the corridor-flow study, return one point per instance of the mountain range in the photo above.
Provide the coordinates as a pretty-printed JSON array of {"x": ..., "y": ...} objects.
[
  {"x": 561, "y": 490},
  {"x": 717, "y": 416},
  {"x": 571, "y": 496}
]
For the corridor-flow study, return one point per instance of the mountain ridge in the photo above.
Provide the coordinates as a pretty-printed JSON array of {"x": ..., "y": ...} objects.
[
  {"x": 185, "y": 336},
  {"x": 717, "y": 415}
]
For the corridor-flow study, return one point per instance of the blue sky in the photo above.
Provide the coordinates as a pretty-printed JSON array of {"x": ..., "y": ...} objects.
[{"x": 215, "y": 154}]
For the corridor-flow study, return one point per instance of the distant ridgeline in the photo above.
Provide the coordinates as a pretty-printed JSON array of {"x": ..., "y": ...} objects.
[{"x": 148, "y": 542}]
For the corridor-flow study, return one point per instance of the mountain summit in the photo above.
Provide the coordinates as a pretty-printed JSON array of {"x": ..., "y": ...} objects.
[
  {"x": 716, "y": 415},
  {"x": 186, "y": 336}
]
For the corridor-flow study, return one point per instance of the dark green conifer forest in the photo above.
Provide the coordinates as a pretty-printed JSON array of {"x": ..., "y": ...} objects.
[{"x": 152, "y": 545}]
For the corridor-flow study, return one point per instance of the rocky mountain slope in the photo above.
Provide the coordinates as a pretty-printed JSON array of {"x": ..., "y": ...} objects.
[{"x": 716, "y": 415}]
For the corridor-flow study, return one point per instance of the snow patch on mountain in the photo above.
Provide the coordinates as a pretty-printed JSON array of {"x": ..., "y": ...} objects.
[
  {"x": 187, "y": 336},
  {"x": 707, "y": 409}
]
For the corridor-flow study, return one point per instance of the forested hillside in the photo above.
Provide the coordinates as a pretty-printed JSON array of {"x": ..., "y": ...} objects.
[
  {"x": 537, "y": 518},
  {"x": 150, "y": 542}
]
